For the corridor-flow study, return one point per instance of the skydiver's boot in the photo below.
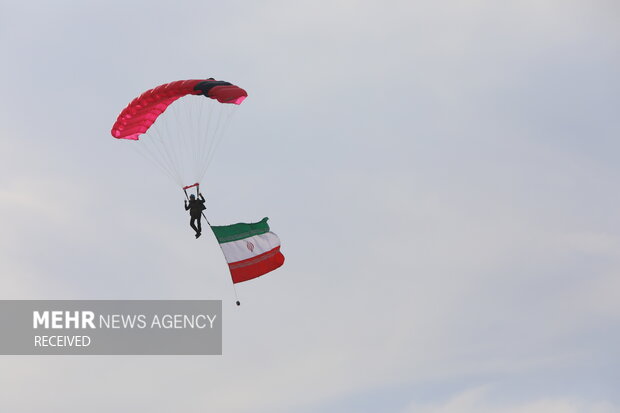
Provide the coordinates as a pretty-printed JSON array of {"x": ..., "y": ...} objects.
[{"x": 198, "y": 235}]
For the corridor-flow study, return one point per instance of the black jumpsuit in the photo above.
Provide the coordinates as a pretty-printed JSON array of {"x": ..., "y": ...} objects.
[{"x": 195, "y": 208}]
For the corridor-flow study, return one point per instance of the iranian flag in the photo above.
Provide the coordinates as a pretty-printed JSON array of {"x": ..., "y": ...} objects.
[{"x": 251, "y": 250}]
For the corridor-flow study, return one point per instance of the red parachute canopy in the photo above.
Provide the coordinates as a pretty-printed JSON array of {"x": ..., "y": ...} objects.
[{"x": 144, "y": 110}]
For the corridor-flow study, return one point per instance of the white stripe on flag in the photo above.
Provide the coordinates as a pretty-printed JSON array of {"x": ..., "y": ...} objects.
[{"x": 249, "y": 247}]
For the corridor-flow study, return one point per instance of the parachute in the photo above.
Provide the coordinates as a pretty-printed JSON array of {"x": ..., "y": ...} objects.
[{"x": 179, "y": 125}]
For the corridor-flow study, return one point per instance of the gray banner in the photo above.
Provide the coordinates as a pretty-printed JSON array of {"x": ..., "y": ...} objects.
[{"x": 127, "y": 327}]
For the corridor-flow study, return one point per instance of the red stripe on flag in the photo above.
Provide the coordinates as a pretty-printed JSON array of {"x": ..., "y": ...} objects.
[{"x": 256, "y": 266}]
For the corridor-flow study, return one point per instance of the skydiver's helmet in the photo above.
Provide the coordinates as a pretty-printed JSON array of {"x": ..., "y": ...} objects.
[{"x": 192, "y": 197}]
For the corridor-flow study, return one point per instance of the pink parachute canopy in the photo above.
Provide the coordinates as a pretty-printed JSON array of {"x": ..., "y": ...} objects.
[{"x": 144, "y": 110}]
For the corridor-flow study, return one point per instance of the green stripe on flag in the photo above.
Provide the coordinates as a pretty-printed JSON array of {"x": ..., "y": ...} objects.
[{"x": 235, "y": 232}]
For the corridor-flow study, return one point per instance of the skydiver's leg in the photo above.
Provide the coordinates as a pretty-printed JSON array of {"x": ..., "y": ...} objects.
[
  {"x": 191, "y": 224},
  {"x": 199, "y": 224}
]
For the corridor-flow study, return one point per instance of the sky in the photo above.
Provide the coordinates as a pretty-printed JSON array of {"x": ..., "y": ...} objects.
[{"x": 442, "y": 175}]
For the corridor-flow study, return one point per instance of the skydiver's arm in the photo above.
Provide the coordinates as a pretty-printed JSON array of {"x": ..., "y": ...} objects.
[
  {"x": 186, "y": 206},
  {"x": 201, "y": 197}
]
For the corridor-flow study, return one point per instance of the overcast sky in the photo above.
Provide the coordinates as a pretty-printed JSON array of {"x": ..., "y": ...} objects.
[{"x": 443, "y": 177}]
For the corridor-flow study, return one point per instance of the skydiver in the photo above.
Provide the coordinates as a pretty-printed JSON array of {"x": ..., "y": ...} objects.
[{"x": 195, "y": 208}]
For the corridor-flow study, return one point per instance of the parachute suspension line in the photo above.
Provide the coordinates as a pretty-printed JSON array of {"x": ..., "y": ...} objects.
[
  {"x": 193, "y": 119},
  {"x": 183, "y": 118},
  {"x": 159, "y": 142},
  {"x": 171, "y": 143},
  {"x": 174, "y": 148},
  {"x": 155, "y": 142},
  {"x": 198, "y": 142},
  {"x": 184, "y": 140},
  {"x": 146, "y": 147},
  {"x": 150, "y": 158},
  {"x": 180, "y": 136},
  {"x": 222, "y": 125},
  {"x": 197, "y": 138},
  {"x": 230, "y": 111},
  {"x": 204, "y": 141},
  {"x": 179, "y": 139},
  {"x": 216, "y": 127},
  {"x": 212, "y": 139}
]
